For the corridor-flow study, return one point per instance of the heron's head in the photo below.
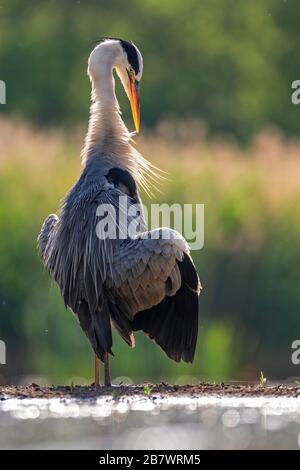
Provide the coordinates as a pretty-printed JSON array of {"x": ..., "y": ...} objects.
[{"x": 128, "y": 62}]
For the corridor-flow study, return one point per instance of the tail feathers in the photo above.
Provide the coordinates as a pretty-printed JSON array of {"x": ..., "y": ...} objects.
[
  {"x": 121, "y": 323},
  {"x": 173, "y": 324}
]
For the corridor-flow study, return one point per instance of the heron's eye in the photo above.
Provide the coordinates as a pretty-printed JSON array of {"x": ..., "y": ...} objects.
[{"x": 130, "y": 71}]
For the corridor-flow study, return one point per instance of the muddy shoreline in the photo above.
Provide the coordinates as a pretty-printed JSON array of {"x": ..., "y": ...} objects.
[{"x": 149, "y": 390}]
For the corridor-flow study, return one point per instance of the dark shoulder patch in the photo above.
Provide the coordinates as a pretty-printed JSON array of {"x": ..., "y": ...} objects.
[{"x": 117, "y": 176}]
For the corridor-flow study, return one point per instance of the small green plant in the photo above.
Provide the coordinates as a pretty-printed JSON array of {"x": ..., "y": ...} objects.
[
  {"x": 147, "y": 390},
  {"x": 262, "y": 379},
  {"x": 297, "y": 383}
]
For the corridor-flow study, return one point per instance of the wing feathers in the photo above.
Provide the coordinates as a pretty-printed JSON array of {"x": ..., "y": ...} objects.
[
  {"x": 144, "y": 270},
  {"x": 147, "y": 283},
  {"x": 173, "y": 323}
]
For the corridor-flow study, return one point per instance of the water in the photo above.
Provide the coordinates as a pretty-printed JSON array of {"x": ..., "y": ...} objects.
[{"x": 151, "y": 423}]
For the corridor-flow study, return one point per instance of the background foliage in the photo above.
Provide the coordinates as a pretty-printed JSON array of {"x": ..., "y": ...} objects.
[
  {"x": 217, "y": 115},
  {"x": 228, "y": 62}
]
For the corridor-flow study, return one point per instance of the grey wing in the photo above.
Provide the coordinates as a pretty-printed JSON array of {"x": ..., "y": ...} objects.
[
  {"x": 147, "y": 283},
  {"x": 78, "y": 260},
  {"x": 145, "y": 270},
  {"x": 156, "y": 286}
]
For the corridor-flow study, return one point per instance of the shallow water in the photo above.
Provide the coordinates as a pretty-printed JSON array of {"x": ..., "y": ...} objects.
[{"x": 151, "y": 423}]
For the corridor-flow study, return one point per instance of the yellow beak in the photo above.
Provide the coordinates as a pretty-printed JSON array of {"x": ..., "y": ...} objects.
[{"x": 134, "y": 97}]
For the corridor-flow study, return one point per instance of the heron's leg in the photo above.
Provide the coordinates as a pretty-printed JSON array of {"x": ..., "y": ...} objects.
[
  {"x": 97, "y": 362},
  {"x": 106, "y": 370}
]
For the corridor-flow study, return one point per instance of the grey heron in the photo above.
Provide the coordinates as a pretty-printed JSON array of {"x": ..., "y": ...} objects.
[{"x": 131, "y": 283}]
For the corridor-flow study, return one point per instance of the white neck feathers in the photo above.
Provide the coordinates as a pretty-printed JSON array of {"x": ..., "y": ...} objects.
[{"x": 108, "y": 142}]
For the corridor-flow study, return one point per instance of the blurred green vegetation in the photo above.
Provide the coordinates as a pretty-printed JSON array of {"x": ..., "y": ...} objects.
[
  {"x": 249, "y": 265},
  {"x": 228, "y": 62}
]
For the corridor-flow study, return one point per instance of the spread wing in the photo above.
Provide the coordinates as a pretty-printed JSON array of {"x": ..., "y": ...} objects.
[
  {"x": 144, "y": 283},
  {"x": 156, "y": 286}
]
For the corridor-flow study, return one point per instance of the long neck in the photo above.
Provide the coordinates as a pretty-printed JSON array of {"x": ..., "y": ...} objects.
[
  {"x": 108, "y": 141},
  {"x": 107, "y": 137}
]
